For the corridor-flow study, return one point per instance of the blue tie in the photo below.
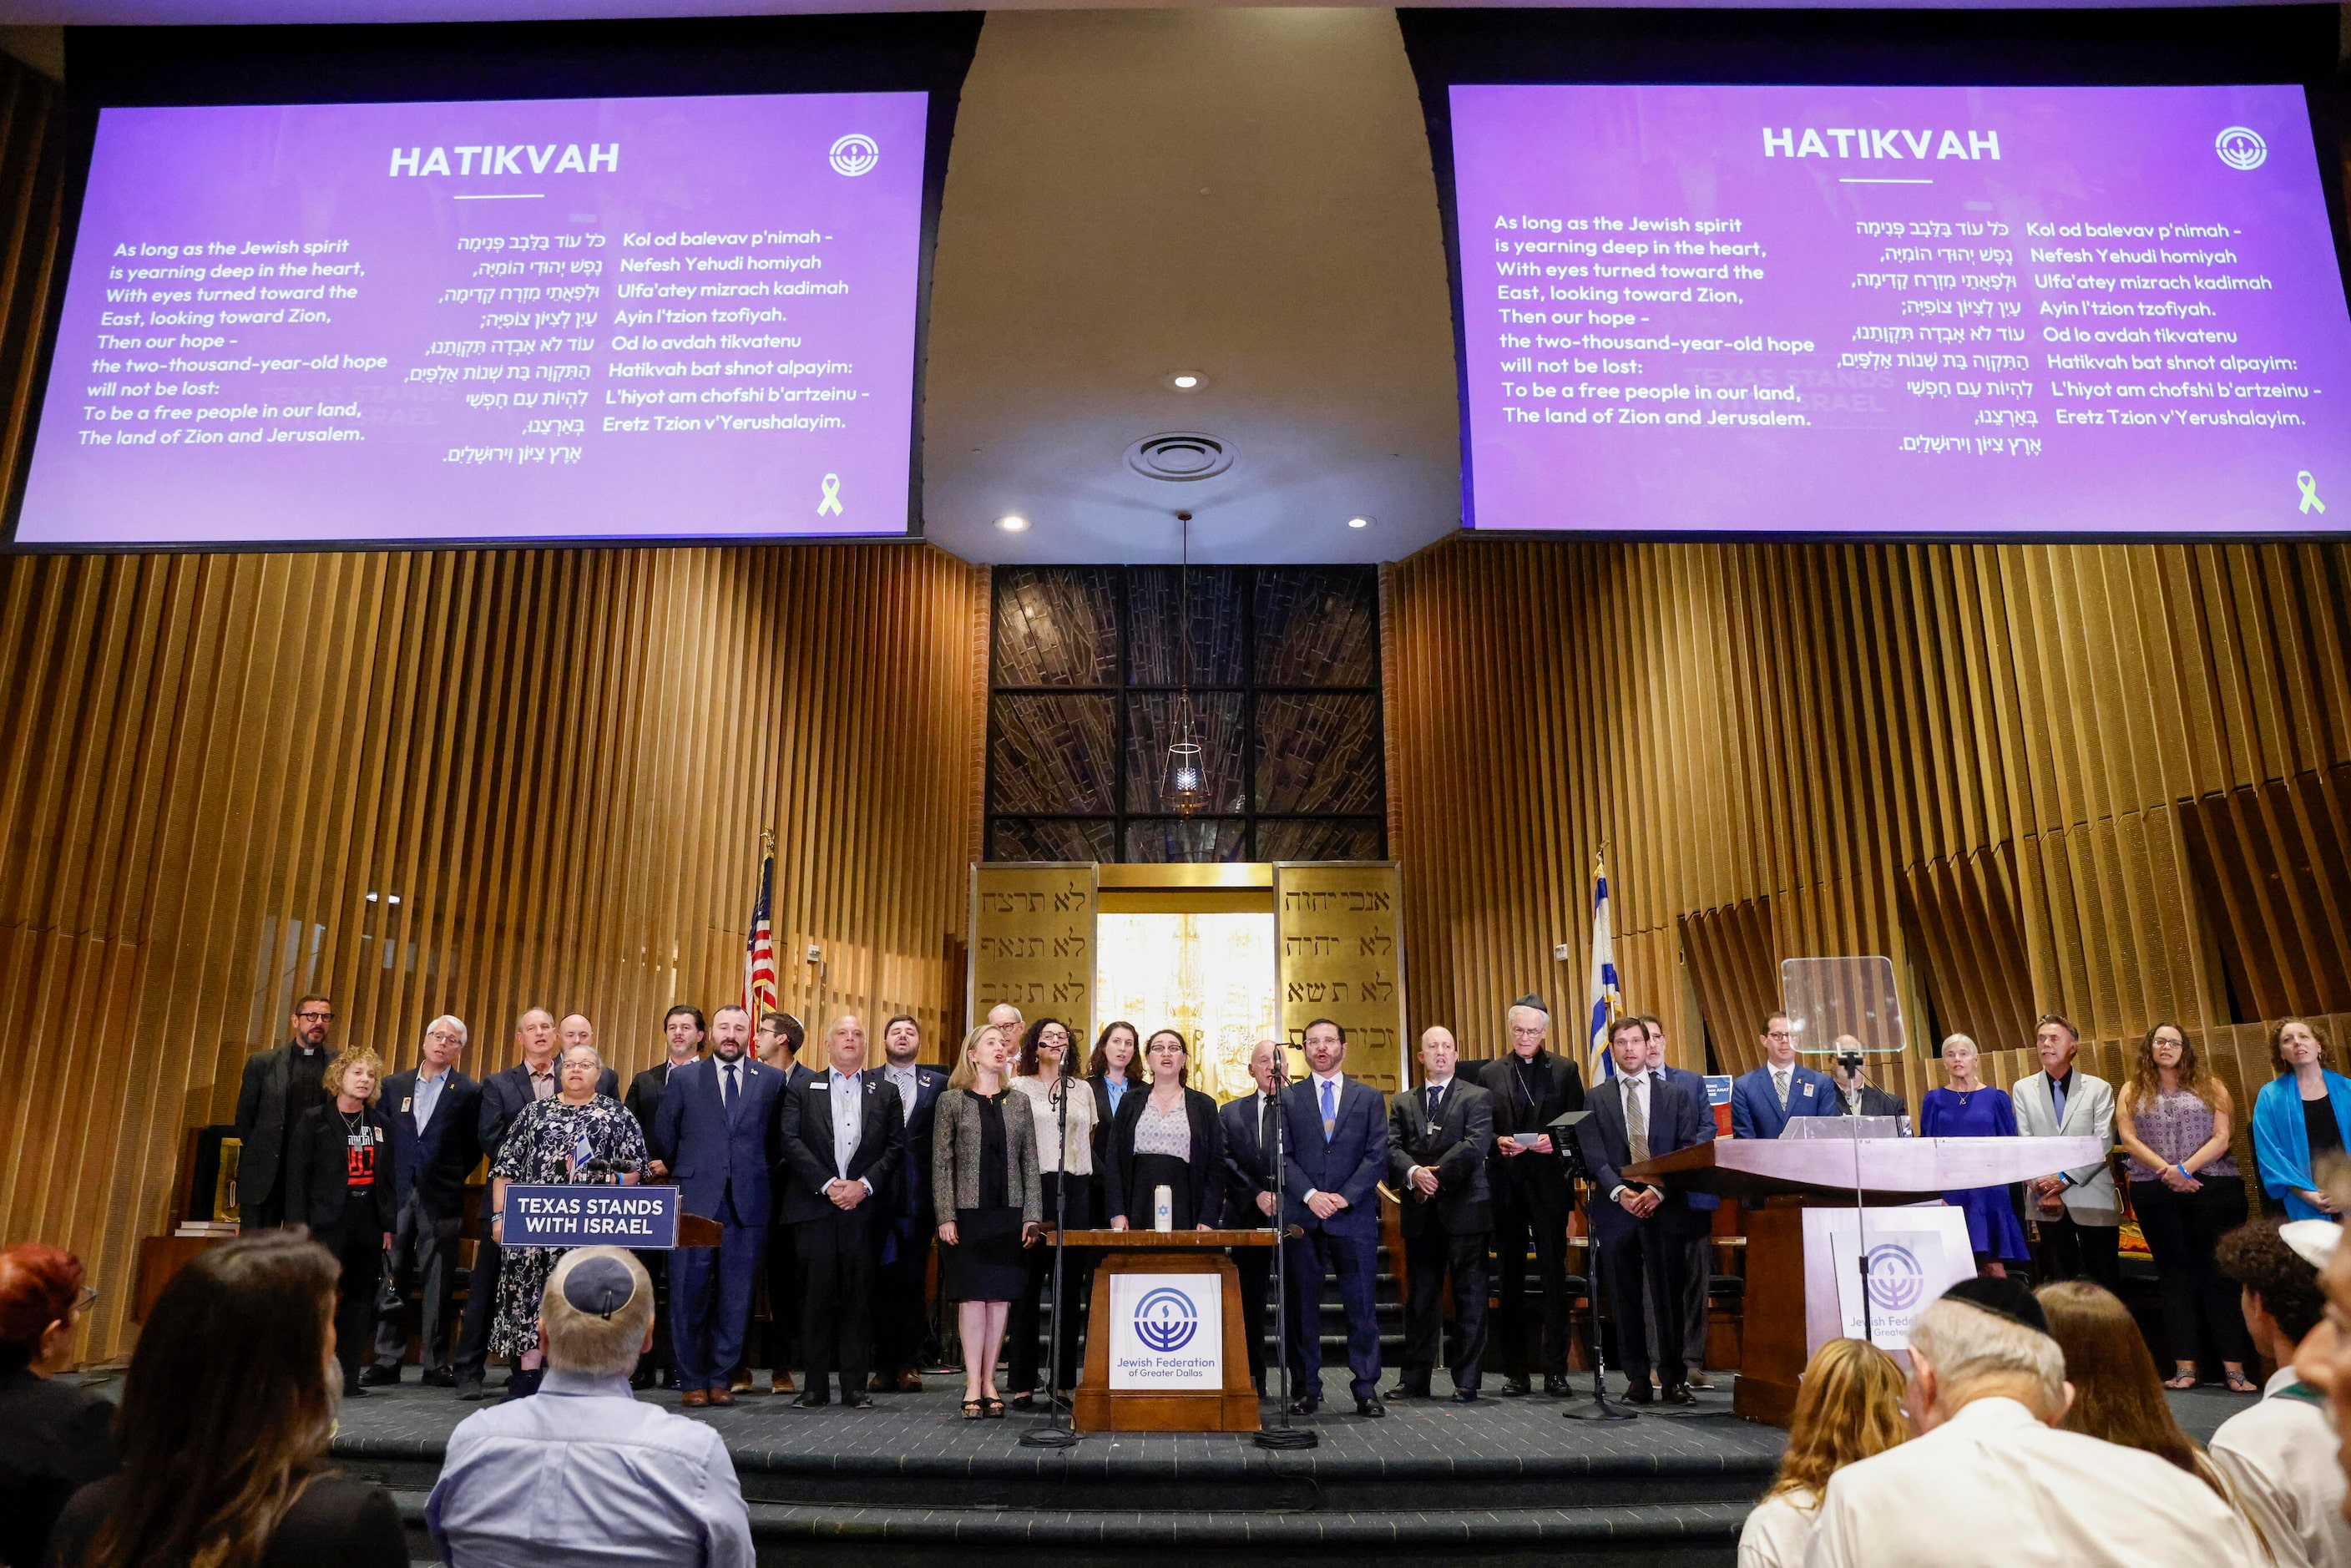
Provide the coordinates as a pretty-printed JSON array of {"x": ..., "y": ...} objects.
[
  {"x": 1330, "y": 1113},
  {"x": 727, "y": 1099}
]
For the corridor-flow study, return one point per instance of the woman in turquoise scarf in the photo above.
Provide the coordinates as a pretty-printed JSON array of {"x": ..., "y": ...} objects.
[{"x": 2301, "y": 1119}]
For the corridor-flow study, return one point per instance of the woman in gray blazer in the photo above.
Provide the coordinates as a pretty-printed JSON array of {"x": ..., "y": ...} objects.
[{"x": 984, "y": 1165}]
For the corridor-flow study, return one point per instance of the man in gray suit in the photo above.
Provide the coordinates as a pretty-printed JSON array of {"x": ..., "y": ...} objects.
[
  {"x": 279, "y": 1085},
  {"x": 2079, "y": 1216},
  {"x": 1439, "y": 1135}
]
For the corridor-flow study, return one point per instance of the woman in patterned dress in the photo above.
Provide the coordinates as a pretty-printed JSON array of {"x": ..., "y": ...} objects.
[{"x": 552, "y": 1141}]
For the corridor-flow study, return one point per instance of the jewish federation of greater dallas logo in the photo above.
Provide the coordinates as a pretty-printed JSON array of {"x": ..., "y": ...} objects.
[
  {"x": 1165, "y": 1321},
  {"x": 1896, "y": 1281},
  {"x": 2240, "y": 148},
  {"x": 855, "y": 154}
]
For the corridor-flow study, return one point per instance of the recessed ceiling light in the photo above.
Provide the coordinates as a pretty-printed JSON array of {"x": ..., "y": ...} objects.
[
  {"x": 1186, "y": 380},
  {"x": 1359, "y": 522},
  {"x": 1012, "y": 523}
]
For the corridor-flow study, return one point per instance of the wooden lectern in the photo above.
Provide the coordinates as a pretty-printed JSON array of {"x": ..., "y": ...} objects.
[
  {"x": 1777, "y": 1178},
  {"x": 1098, "y": 1407}
]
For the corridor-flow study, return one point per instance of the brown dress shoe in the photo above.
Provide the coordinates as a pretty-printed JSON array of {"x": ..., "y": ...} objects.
[
  {"x": 739, "y": 1384},
  {"x": 881, "y": 1383},
  {"x": 722, "y": 1396},
  {"x": 783, "y": 1381},
  {"x": 909, "y": 1382},
  {"x": 694, "y": 1398}
]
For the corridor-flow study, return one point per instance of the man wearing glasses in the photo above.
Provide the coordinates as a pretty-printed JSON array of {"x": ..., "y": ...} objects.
[
  {"x": 279, "y": 1086},
  {"x": 433, "y": 1110}
]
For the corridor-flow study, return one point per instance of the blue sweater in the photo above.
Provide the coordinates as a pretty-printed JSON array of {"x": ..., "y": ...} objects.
[{"x": 2281, "y": 1144}]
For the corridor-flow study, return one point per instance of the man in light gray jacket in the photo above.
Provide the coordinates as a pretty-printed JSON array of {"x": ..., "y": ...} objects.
[{"x": 2078, "y": 1215}]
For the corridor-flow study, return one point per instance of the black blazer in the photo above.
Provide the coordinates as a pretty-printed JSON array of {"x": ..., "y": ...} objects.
[
  {"x": 806, "y": 1139},
  {"x": 1456, "y": 1148},
  {"x": 1674, "y": 1115},
  {"x": 1875, "y": 1102},
  {"x": 318, "y": 1168},
  {"x": 1208, "y": 1157},
  {"x": 269, "y": 1100},
  {"x": 55, "y": 1439},
  {"x": 1249, "y": 1165},
  {"x": 1104, "y": 1117},
  {"x": 1520, "y": 1180},
  {"x": 337, "y": 1522},
  {"x": 646, "y": 1097},
  {"x": 437, "y": 1160},
  {"x": 506, "y": 1092}
]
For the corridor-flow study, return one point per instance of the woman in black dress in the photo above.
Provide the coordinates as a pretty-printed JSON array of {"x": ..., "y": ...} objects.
[
  {"x": 984, "y": 1170},
  {"x": 339, "y": 1182},
  {"x": 1167, "y": 1138}
]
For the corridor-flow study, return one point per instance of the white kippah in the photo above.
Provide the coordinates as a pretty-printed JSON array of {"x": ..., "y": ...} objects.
[{"x": 2313, "y": 1240}]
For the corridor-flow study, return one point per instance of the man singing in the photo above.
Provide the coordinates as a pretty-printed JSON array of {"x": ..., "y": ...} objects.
[
  {"x": 1766, "y": 1099},
  {"x": 905, "y": 1231},
  {"x": 683, "y": 1029},
  {"x": 279, "y": 1085},
  {"x": 842, "y": 1138},
  {"x": 1438, "y": 1139},
  {"x": 435, "y": 1114},
  {"x": 1249, "y": 1154},
  {"x": 1532, "y": 1088},
  {"x": 1698, "y": 1254},
  {"x": 1338, "y": 1151}
]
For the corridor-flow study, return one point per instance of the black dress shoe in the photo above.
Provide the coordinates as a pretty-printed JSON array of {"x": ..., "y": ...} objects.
[
  {"x": 1640, "y": 1393},
  {"x": 440, "y": 1377},
  {"x": 1408, "y": 1391},
  {"x": 469, "y": 1388},
  {"x": 641, "y": 1379},
  {"x": 372, "y": 1375},
  {"x": 1555, "y": 1385},
  {"x": 1368, "y": 1405},
  {"x": 354, "y": 1391},
  {"x": 857, "y": 1402},
  {"x": 814, "y": 1399},
  {"x": 1305, "y": 1405},
  {"x": 1679, "y": 1394},
  {"x": 1515, "y": 1388},
  {"x": 1465, "y": 1396}
]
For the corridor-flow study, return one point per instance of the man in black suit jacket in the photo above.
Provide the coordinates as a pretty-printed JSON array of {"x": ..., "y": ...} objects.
[
  {"x": 1642, "y": 1229},
  {"x": 777, "y": 1042},
  {"x": 906, "y": 1228},
  {"x": 1439, "y": 1135},
  {"x": 684, "y": 1029},
  {"x": 1249, "y": 1129},
  {"x": 278, "y": 1085},
  {"x": 1532, "y": 1088},
  {"x": 504, "y": 1094},
  {"x": 436, "y": 1113},
  {"x": 830, "y": 1204}
]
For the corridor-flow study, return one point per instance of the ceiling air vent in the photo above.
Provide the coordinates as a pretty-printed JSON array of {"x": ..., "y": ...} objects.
[{"x": 1180, "y": 454}]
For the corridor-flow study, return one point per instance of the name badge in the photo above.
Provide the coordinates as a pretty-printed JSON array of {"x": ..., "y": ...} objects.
[
  {"x": 404, "y": 1104},
  {"x": 1808, "y": 1090}
]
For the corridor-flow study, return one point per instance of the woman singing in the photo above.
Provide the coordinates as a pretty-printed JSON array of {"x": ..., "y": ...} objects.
[
  {"x": 2301, "y": 1119},
  {"x": 1167, "y": 1138},
  {"x": 339, "y": 1182},
  {"x": 1968, "y": 1109},
  {"x": 1043, "y": 1085},
  {"x": 984, "y": 1171}
]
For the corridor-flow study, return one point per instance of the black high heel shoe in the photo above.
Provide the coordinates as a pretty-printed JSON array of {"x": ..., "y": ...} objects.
[
  {"x": 995, "y": 1409},
  {"x": 974, "y": 1409}
]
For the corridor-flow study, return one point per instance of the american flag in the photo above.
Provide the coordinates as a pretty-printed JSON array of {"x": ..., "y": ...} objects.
[{"x": 759, "y": 948}]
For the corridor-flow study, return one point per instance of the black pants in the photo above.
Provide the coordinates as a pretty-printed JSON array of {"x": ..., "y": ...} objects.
[
  {"x": 902, "y": 1304},
  {"x": 358, "y": 1246},
  {"x": 1514, "y": 1223},
  {"x": 424, "y": 1248},
  {"x": 2070, "y": 1251},
  {"x": 2182, "y": 1229},
  {"x": 1429, "y": 1257},
  {"x": 1023, "y": 1324},
  {"x": 1255, "y": 1266},
  {"x": 836, "y": 1258},
  {"x": 472, "y": 1352},
  {"x": 1640, "y": 1264},
  {"x": 785, "y": 1288},
  {"x": 1698, "y": 1274},
  {"x": 265, "y": 1214}
]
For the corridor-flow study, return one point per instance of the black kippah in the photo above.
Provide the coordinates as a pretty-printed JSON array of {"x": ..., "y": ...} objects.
[
  {"x": 1534, "y": 1001},
  {"x": 2002, "y": 1299},
  {"x": 599, "y": 1285}
]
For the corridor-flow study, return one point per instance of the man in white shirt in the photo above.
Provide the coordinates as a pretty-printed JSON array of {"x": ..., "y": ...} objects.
[
  {"x": 842, "y": 1134},
  {"x": 2080, "y": 1217},
  {"x": 2280, "y": 1456},
  {"x": 1991, "y": 1481}
]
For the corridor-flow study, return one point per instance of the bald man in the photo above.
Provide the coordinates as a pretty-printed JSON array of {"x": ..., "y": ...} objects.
[
  {"x": 1532, "y": 1086},
  {"x": 1439, "y": 1136},
  {"x": 1005, "y": 1016},
  {"x": 1249, "y": 1132},
  {"x": 842, "y": 1136}
]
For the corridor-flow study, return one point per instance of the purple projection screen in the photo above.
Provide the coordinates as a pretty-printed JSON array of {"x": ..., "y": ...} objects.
[
  {"x": 1899, "y": 310},
  {"x": 572, "y": 319}
]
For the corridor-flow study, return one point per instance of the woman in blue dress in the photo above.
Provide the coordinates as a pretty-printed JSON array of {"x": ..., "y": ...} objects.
[{"x": 1970, "y": 1109}]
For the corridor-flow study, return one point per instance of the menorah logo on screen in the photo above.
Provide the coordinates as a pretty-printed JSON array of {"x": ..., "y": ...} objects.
[
  {"x": 1165, "y": 1321},
  {"x": 2240, "y": 148},
  {"x": 855, "y": 154},
  {"x": 1896, "y": 1279}
]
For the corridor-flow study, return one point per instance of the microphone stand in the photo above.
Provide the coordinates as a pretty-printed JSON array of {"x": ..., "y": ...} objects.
[
  {"x": 1057, "y": 1433},
  {"x": 1571, "y": 1151},
  {"x": 1283, "y": 1436}
]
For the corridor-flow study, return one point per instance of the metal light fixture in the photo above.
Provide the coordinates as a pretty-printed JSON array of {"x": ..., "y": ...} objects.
[{"x": 1187, "y": 784}]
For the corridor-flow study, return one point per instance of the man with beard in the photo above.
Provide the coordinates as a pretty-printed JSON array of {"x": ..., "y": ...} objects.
[
  {"x": 279, "y": 1085},
  {"x": 906, "y": 1224}
]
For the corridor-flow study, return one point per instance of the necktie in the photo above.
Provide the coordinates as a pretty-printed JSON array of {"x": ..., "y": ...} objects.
[
  {"x": 727, "y": 1098},
  {"x": 1435, "y": 1098},
  {"x": 1265, "y": 1126},
  {"x": 1781, "y": 1078},
  {"x": 1330, "y": 1110},
  {"x": 1636, "y": 1119}
]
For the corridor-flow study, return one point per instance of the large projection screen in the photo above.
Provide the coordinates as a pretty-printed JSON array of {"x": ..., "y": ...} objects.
[
  {"x": 1910, "y": 310},
  {"x": 583, "y": 319}
]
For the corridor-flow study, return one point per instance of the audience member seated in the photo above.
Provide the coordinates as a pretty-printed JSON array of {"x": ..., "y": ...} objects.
[
  {"x": 2118, "y": 1392},
  {"x": 1992, "y": 1481},
  {"x": 2323, "y": 1360},
  {"x": 2302, "y": 1123},
  {"x": 1848, "y": 1407},
  {"x": 226, "y": 1411},
  {"x": 2279, "y": 1457},
  {"x": 583, "y": 1474},
  {"x": 53, "y": 1435}
]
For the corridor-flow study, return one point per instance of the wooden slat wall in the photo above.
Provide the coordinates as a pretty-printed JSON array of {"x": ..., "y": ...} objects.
[
  {"x": 1980, "y": 760},
  {"x": 559, "y": 760}
]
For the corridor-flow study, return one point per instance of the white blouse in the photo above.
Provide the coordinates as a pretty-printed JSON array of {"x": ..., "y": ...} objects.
[
  {"x": 1038, "y": 1091},
  {"x": 1778, "y": 1530}
]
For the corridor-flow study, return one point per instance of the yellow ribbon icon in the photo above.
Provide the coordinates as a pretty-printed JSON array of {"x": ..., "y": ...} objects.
[
  {"x": 831, "y": 502},
  {"x": 2310, "y": 501}
]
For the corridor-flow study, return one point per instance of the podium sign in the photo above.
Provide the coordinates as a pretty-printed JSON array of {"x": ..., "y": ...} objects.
[
  {"x": 1168, "y": 1331},
  {"x": 1914, "y": 1255},
  {"x": 590, "y": 1215}
]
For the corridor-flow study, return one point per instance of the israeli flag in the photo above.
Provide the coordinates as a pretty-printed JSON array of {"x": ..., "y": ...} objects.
[
  {"x": 1607, "y": 1000},
  {"x": 582, "y": 1151}
]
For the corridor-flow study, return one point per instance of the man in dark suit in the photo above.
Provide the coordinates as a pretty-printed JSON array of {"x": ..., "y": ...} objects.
[
  {"x": 716, "y": 1129},
  {"x": 504, "y": 1094},
  {"x": 777, "y": 1042},
  {"x": 1531, "y": 1087},
  {"x": 842, "y": 1138},
  {"x": 1642, "y": 1230},
  {"x": 905, "y": 1226},
  {"x": 1337, "y": 1143},
  {"x": 1698, "y": 1253},
  {"x": 435, "y": 1115},
  {"x": 1249, "y": 1136},
  {"x": 684, "y": 1029},
  {"x": 1439, "y": 1135},
  {"x": 1769, "y": 1098},
  {"x": 278, "y": 1085},
  {"x": 1856, "y": 1095}
]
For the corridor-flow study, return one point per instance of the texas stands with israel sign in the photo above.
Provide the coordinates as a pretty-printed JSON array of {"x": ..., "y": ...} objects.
[
  {"x": 590, "y": 1216},
  {"x": 1168, "y": 1331}
]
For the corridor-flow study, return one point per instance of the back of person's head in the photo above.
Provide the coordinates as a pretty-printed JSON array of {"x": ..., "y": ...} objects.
[
  {"x": 2257, "y": 1256},
  {"x": 2118, "y": 1392},
  {"x": 1977, "y": 1353},
  {"x": 38, "y": 1287},
  {"x": 596, "y": 1311},
  {"x": 226, "y": 1408},
  {"x": 1848, "y": 1406}
]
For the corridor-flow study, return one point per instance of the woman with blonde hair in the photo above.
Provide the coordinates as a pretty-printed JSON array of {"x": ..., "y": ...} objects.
[
  {"x": 1848, "y": 1407},
  {"x": 1969, "y": 1108},
  {"x": 339, "y": 1182},
  {"x": 983, "y": 1176}
]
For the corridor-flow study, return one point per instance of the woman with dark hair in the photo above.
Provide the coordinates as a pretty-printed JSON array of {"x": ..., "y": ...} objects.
[
  {"x": 2117, "y": 1398},
  {"x": 1050, "y": 1090},
  {"x": 1848, "y": 1407},
  {"x": 226, "y": 1411},
  {"x": 2301, "y": 1119},
  {"x": 54, "y": 1437},
  {"x": 339, "y": 1182},
  {"x": 1168, "y": 1140},
  {"x": 1115, "y": 1071},
  {"x": 2172, "y": 1120}
]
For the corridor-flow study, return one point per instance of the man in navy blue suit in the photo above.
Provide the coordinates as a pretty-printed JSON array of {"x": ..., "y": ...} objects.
[
  {"x": 433, "y": 1110},
  {"x": 1698, "y": 1255},
  {"x": 1642, "y": 1229},
  {"x": 1768, "y": 1099},
  {"x": 1337, "y": 1145},
  {"x": 906, "y": 1228},
  {"x": 717, "y": 1131}
]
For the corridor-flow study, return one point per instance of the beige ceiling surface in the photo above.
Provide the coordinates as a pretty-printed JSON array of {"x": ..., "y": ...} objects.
[{"x": 1243, "y": 194}]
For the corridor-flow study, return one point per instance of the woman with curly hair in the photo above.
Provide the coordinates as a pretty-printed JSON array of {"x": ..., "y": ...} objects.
[{"x": 1848, "y": 1407}]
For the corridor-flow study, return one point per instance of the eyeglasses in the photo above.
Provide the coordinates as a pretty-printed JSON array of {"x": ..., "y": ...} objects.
[
  {"x": 314, "y": 1016},
  {"x": 451, "y": 1035},
  {"x": 82, "y": 1301}
]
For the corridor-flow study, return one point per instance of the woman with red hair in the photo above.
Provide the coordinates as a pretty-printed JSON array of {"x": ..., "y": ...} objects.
[{"x": 54, "y": 1437}]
